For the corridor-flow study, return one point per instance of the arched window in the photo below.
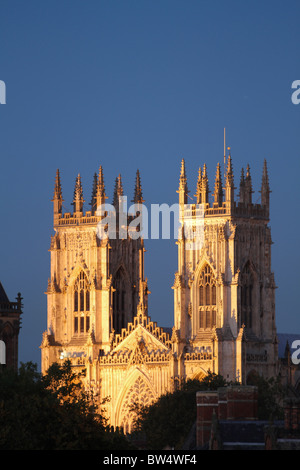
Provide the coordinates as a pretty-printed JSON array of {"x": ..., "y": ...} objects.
[
  {"x": 119, "y": 301},
  {"x": 246, "y": 296},
  {"x": 81, "y": 305},
  {"x": 207, "y": 298},
  {"x": 138, "y": 396}
]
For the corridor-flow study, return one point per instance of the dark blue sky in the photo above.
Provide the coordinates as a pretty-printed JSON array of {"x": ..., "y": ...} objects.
[{"x": 141, "y": 84}]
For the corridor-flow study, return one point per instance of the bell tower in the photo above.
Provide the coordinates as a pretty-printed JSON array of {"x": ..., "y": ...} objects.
[
  {"x": 96, "y": 285},
  {"x": 224, "y": 289}
]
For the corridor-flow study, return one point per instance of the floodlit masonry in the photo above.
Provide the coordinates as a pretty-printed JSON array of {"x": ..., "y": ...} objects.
[{"x": 224, "y": 294}]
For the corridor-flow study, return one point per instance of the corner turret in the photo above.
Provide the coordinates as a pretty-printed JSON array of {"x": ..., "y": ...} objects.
[
  {"x": 57, "y": 199},
  {"x": 78, "y": 197},
  {"x": 218, "y": 192},
  {"x": 138, "y": 195},
  {"x": 265, "y": 188},
  {"x": 183, "y": 188}
]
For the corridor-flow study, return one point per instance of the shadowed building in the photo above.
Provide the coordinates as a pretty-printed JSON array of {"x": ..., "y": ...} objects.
[{"x": 10, "y": 324}]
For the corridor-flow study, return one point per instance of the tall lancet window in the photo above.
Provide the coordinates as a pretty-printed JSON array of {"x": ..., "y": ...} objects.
[
  {"x": 81, "y": 305},
  {"x": 119, "y": 301},
  {"x": 247, "y": 282},
  {"x": 207, "y": 298}
]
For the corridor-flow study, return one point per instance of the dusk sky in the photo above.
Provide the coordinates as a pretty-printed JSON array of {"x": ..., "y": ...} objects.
[{"x": 140, "y": 85}]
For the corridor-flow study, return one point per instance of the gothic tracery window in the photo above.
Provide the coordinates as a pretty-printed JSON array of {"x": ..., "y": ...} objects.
[
  {"x": 207, "y": 298},
  {"x": 81, "y": 304},
  {"x": 138, "y": 396}
]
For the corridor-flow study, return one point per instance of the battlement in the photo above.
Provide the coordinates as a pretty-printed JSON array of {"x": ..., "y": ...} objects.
[
  {"x": 90, "y": 217},
  {"x": 77, "y": 219},
  {"x": 224, "y": 202},
  {"x": 237, "y": 209}
]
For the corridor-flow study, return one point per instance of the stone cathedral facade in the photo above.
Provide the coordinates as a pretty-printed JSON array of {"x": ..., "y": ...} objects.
[{"x": 224, "y": 294}]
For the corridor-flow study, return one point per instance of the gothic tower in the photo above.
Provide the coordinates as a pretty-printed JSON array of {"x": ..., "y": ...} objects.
[
  {"x": 224, "y": 290},
  {"x": 96, "y": 284}
]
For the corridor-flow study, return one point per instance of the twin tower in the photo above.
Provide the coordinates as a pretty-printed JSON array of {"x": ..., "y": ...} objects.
[{"x": 224, "y": 294}]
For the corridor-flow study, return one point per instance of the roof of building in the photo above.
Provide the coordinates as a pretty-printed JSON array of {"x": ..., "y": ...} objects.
[
  {"x": 3, "y": 296},
  {"x": 242, "y": 434}
]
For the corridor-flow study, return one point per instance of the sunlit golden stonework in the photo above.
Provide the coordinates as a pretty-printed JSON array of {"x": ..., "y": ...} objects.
[{"x": 224, "y": 303}]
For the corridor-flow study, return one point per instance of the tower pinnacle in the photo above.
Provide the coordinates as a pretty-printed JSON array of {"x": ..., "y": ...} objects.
[
  {"x": 265, "y": 187},
  {"x": 229, "y": 184},
  {"x": 218, "y": 192},
  {"x": 78, "y": 195},
  {"x": 183, "y": 188},
  {"x": 248, "y": 186},
  {"x": 204, "y": 186},
  {"x": 242, "y": 187},
  {"x": 138, "y": 195},
  {"x": 100, "y": 194},
  {"x": 57, "y": 198},
  {"x": 118, "y": 192},
  {"x": 198, "y": 189},
  {"x": 57, "y": 187},
  {"x": 94, "y": 192}
]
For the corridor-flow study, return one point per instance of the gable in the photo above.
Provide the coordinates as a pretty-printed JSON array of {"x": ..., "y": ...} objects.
[
  {"x": 143, "y": 326},
  {"x": 140, "y": 341}
]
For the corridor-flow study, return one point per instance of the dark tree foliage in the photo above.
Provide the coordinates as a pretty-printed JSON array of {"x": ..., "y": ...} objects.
[
  {"x": 168, "y": 421},
  {"x": 51, "y": 412},
  {"x": 271, "y": 392}
]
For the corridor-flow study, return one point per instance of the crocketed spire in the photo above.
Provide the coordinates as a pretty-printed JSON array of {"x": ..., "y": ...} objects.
[
  {"x": 118, "y": 192},
  {"x": 204, "y": 186},
  {"x": 98, "y": 193},
  {"x": 229, "y": 183},
  {"x": 78, "y": 195},
  {"x": 265, "y": 187},
  {"x": 218, "y": 192},
  {"x": 183, "y": 188},
  {"x": 138, "y": 195},
  {"x": 248, "y": 186},
  {"x": 57, "y": 187},
  {"x": 198, "y": 189}
]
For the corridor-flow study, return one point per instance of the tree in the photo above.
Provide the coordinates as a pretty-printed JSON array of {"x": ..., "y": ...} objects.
[
  {"x": 68, "y": 388},
  {"x": 270, "y": 394},
  {"x": 51, "y": 412},
  {"x": 168, "y": 421}
]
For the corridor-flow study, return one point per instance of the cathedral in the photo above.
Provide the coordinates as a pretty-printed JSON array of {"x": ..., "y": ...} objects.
[{"x": 224, "y": 293}]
